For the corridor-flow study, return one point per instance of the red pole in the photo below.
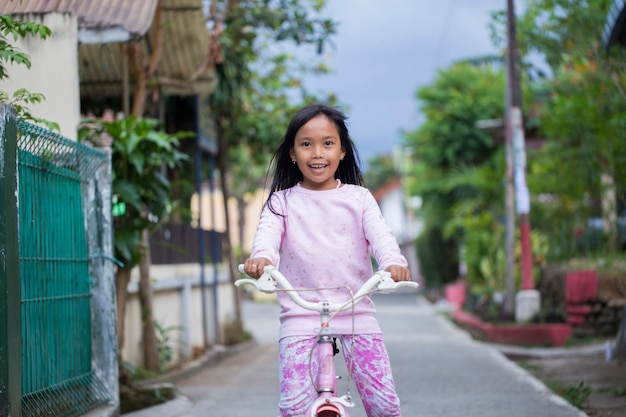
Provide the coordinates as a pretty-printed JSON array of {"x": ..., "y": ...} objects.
[{"x": 527, "y": 260}]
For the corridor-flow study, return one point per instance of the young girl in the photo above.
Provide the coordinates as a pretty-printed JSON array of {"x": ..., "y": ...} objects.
[{"x": 321, "y": 227}]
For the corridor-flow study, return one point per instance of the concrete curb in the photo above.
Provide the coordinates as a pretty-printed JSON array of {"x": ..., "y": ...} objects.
[
  {"x": 536, "y": 383},
  {"x": 522, "y": 352},
  {"x": 519, "y": 352},
  {"x": 180, "y": 404}
]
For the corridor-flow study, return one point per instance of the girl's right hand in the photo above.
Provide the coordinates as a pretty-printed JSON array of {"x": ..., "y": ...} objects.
[{"x": 254, "y": 266}]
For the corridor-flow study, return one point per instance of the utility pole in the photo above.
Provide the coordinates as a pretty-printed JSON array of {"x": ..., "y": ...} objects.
[{"x": 527, "y": 300}]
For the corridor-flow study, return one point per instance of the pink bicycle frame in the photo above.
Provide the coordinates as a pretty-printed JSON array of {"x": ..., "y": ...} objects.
[{"x": 328, "y": 404}]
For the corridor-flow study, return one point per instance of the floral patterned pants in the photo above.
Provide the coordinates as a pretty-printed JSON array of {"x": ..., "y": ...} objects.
[{"x": 371, "y": 373}]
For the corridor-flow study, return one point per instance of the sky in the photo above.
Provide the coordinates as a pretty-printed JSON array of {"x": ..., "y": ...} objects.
[{"x": 385, "y": 50}]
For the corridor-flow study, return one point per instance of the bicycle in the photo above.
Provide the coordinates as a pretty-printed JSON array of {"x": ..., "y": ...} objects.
[{"x": 327, "y": 404}]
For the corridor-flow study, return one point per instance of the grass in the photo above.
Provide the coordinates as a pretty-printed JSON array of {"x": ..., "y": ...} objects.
[
  {"x": 575, "y": 341},
  {"x": 235, "y": 333},
  {"x": 619, "y": 392},
  {"x": 577, "y": 395},
  {"x": 132, "y": 398},
  {"x": 615, "y": 391},
  {"x": 528, "y": 366}
]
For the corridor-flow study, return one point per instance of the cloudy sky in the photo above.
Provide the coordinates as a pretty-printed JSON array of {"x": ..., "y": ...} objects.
[{"x": 385, "y": 50}]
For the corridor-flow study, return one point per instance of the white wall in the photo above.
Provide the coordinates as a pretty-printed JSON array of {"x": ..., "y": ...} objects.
[
  {"x": 177, "y": 304},
  {"x": 393, "y": 209},
  {"x": 404, "y": 226},
  {"x": 53, "y": 73},
  {"x": 215, "y": 203}
]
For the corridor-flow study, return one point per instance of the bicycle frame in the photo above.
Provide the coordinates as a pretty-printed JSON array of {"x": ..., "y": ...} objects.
[{"x": 327, "y": 404}]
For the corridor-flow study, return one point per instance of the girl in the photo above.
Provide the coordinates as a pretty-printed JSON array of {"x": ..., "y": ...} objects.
[{"x": 324, "y": 226}]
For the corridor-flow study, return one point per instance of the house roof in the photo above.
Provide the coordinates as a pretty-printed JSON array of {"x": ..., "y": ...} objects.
[
  {"x": 133, "y": 17},
  {"x": 615, "y": 25},
  {"x": 104, "y": 25},
  {"x": 391, "y": 185}
]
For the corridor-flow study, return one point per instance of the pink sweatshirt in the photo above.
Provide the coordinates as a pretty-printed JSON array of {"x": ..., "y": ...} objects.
[{"x": 325, "y": 239}]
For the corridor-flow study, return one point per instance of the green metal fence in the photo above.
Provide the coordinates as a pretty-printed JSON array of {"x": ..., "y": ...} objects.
[{"x": 57, "y": 377}]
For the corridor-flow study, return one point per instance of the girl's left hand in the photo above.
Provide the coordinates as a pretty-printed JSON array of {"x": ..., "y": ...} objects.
[{"x": 399, "y": 273}]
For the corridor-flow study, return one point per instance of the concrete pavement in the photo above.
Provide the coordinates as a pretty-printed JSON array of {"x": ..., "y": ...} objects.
[{"x": 439, "y": 371}]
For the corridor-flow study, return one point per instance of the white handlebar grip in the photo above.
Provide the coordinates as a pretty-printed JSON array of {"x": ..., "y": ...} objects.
[
  {"x": 242, "y": 281},
  {"x": 240, "y": 268}
]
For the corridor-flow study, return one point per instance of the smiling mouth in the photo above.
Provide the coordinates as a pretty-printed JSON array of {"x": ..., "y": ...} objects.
[{"x": 318, "y": 166}]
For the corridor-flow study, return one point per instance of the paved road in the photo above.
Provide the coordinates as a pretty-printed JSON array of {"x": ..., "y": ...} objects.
[{"x": 439, "y": 371}]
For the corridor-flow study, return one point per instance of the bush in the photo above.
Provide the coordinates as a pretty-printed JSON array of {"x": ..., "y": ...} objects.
[{"x": 438, "y": 258}]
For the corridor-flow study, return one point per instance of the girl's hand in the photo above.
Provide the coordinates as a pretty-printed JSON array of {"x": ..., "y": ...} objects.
[
  {"x": 254, "y": 266},
  {"x": 399, "y": 273}
]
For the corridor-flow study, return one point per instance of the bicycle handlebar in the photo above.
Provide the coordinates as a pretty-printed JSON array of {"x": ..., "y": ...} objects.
[{"x": 271, "y": 279}]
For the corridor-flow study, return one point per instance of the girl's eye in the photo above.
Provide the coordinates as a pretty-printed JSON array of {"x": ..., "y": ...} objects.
[
  {"x": 329, "y": 143},
  {"x": 305, "y": 144}
]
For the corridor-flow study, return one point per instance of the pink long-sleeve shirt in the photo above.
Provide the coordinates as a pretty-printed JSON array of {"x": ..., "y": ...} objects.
[{"x": 326, "y": 239}]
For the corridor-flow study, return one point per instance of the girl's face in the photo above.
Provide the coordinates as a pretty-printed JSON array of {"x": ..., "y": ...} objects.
[{"x": 317, "y": 151}]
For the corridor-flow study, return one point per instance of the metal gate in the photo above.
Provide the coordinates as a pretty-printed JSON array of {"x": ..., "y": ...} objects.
[{"x": 57, "y": 375}]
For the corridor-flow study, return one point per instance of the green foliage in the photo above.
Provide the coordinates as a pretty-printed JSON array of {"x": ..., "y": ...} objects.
[
  {"x": 256, "y": 128},
  {"x": 380, "y": 170},
  {"x": 556, "y": 29},
  {"x": 11, "y": 29},
  {"x": 253, "y": 97},
  {"x": 577, "y": 395},
  {"x": 460, "y": 97},
  {"x": 137, "y": 398},
  {"x": 235, "y": 333},
  {"x": 164, "y": 343},
  {"x": 581, "y": 112},
  {"x": 619, "y": 392},
  {"x": 140, "y": 151},
  {"x": 457, "y": 170},
  {"x": 260, "y": 86},
  {"x": 449, "y": 140},
  {"x": 438, "y": 257},
  {"x": 484, "y": 253}
]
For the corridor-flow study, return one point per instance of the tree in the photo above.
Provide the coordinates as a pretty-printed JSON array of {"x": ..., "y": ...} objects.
[
  {"x": 269, "y": 103},
  {"x": 445, "y": 147},
  {"x": 132, "y": 234},
  {"x": 380, "y": 170},
  {"x": 235, "y": 25},
  {"x": 252, "y": 106},
  {"x": 582, "y": 113},
  {"x": 10, "y": 54},
  {"x": 139, "y": 152}
]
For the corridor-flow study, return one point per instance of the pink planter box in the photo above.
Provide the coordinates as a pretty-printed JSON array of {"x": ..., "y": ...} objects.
[
  {"x": 575, "y": 319},
  {"x": 580, "y": 286},
  {"x": 579, "y": 310},
  {"x": 455, "y": 293},
  {"x": 540, "y": 334}
]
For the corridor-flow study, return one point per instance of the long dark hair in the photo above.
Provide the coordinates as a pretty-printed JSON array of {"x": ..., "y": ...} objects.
[{"x": 287, "y": 174}]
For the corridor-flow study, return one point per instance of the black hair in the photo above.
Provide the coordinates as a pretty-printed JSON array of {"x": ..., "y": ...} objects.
[{"x": 287, "y": 174}]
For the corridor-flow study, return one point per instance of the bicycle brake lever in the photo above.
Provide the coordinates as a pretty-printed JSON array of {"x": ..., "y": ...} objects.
[
  {"x": 387, "y": 284},
  {"x": 265, "y": 283}
]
